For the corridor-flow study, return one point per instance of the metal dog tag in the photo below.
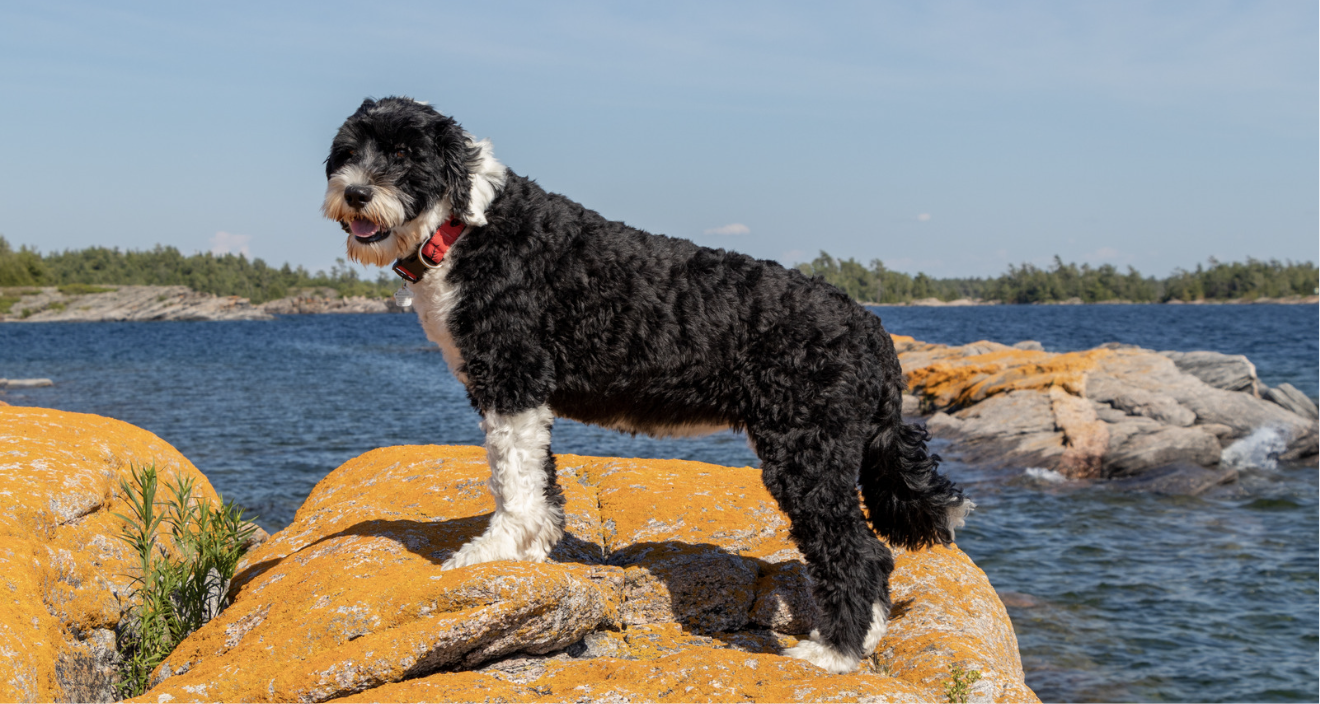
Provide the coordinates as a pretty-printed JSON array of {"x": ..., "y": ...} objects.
[{"x": 403, "y": 296}]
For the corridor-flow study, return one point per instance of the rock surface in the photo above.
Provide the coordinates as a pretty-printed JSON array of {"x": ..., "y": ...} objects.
[
  {"x": 1231, "y": 372},
  {"x": 666, "y": 587},
  {"x": 1114, "y": 411},
  {"x": 64, "y": 575},
  {"x": 1291, "y": 398}
]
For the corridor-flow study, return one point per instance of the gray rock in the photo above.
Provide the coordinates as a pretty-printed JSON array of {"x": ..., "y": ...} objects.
[
  {"x": 1136, "y": 401},
  {"x": 1141, "y": 411},
  {"x": 1108, "y": 413},
  {"x": 1015, "y": 429},
  {"x": 1303, "y": 448},
  {"x": 1219, "y": 430},
  {"x": 1029, "y": 345},
  {"x": 1291, "y": 398},
  {"x": 1231, "y": 372},
  {"x": 911, "y": 405},
  {"x": 1178, "y": 480},
  {"x": 1139, "y": 452},
  {"x": 1242, "y": 412}
]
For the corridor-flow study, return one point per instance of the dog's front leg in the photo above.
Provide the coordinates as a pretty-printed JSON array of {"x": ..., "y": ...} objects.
[{"x": 529, "y": 505}]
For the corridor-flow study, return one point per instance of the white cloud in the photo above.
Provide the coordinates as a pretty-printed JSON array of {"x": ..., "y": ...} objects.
[
  {"x": 924, "y": 217},
  {"x": 227, "y": 243},
  {"x": 734, "y": 228}
]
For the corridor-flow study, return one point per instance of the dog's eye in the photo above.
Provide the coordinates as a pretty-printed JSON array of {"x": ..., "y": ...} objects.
[
  {"x": 352, "y": 152},
  {"x": 400, "y": 153}
]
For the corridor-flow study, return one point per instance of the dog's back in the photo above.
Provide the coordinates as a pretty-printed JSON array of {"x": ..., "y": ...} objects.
[{"x": 647, "y": 331}]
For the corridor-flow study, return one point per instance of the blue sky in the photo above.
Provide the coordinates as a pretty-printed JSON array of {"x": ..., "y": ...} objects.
[{"x": 948, "y": 137}]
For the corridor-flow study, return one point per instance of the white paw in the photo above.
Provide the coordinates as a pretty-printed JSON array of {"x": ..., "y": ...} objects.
[
  {"x": 879, "y": 623},
  {"x": 822, "y": 655},
  {"x": 484, "y": 548}
]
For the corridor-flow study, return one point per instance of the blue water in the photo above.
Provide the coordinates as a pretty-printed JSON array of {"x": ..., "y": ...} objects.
[{"x": 1114, "y": 596}]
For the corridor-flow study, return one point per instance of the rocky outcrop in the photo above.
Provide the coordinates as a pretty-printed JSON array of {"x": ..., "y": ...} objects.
[
  {"x": 674, "y": 582},
  {"x": 25, "y": 383},
  {"x": 328, "y": 301},
  {"x": 138, "y": 303},
  {"x": 64, "y": 574},
  {"x": 125, "y": 303},
  {"x": 1114, "y": 411}
]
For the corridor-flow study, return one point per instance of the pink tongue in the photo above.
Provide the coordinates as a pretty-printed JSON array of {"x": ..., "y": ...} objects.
[{"x": 363, "y": 228}]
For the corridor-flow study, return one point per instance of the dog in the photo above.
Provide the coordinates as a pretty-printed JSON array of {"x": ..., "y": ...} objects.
[{"x": 545, "y": 309}]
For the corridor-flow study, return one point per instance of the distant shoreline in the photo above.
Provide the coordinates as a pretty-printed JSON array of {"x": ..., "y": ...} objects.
[
  {"x": 144, "y": 303},
  {"x": 94, "y": 304},
  {"x": 966, "y": 302}
]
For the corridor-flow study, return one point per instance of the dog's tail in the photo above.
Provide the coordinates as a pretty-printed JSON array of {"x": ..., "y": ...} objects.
[{"x": 908, "y": 501}]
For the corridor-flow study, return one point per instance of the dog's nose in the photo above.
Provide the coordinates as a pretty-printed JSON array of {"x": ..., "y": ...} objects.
[{"x": 357, "y": 196}]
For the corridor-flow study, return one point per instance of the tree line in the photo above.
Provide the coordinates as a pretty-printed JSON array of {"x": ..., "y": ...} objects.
[
  {"x": 236, "y": 275},
  {"x": 1062, "y": 282},
  {"x": 223, "y": 274}
]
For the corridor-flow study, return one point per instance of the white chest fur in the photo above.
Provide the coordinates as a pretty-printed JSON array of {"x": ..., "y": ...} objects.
[{"x": 434, "y": 299}]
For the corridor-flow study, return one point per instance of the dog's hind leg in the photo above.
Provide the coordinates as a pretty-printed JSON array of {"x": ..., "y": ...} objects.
[
  {"x": 529, "y": 505},
  {"x": 814, "y": 482}
]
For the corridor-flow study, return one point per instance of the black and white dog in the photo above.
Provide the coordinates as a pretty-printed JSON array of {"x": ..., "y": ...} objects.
[{"x": 543, "y": 308}]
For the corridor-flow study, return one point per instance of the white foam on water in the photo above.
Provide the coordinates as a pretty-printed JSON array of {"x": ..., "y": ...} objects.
[
  {"x": 1259, "y": 450},
  {"x": 1041, "y": 474}
]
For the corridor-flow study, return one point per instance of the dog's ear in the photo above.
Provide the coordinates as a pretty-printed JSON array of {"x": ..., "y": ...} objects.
[
  {"x": 363, "y": 108},
  {"x": 457, "y": 157}
]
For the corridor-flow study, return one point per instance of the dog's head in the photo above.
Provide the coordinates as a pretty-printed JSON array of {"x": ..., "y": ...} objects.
[{"x": 398, "y": 169}]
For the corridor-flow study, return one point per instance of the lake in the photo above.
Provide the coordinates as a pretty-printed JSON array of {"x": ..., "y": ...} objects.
[{"x": 1114, "y": 596}]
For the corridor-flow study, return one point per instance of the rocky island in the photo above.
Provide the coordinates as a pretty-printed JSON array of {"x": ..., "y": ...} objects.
[
  {"x": 1168, "y": 421},
  {"x": 675, "y": 582}
]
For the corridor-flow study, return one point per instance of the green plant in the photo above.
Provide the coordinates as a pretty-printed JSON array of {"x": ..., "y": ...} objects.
[
  {"x": 57, "y": 305},
  {"x": 186, "y": 550},
  {"x": 959, "y": 687},
  {"x": 879, "y": 665}
]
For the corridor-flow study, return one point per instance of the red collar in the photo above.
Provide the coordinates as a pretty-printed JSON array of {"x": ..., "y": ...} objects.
[{"x": 431, "y": 253}]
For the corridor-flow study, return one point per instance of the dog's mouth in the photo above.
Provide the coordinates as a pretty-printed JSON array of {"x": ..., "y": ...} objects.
[{"x": 366, "y": 231}]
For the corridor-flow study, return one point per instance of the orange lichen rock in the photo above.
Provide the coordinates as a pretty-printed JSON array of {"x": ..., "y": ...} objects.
[
  {"x": 961, "y": 376},
  {"x": 64, "y": 576},
  {"x": 668, "y": 585}
]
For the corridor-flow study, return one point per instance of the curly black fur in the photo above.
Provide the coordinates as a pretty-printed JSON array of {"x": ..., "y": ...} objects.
[{"x": 608, "y": 324}]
